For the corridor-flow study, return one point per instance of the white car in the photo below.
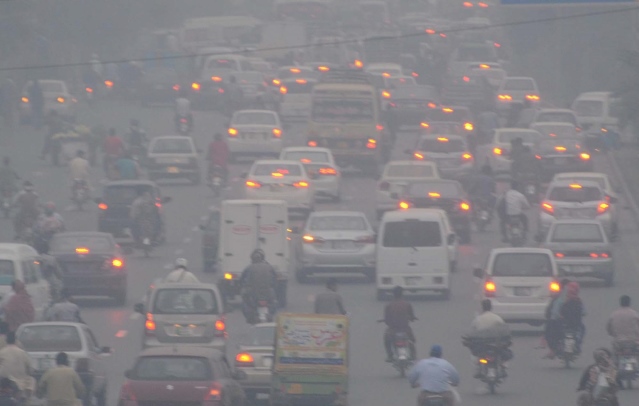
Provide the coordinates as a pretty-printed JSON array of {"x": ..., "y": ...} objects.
[
  {"x": 320, "y": 162},
  {"x": 56, "y": 98},
  {"x": 281, "y": 180},
  {"x": 516, "y": 90},
  {"x": 601, "y": 178},
  {"x": 255, "y": 133},
  {"x": 497, "y": 153},
  {"x": 396, "y": 176},
  {"x": 519, "y": 282},
  {"x": 295, "y": 98},
  {"x": 385, "y": 69}
]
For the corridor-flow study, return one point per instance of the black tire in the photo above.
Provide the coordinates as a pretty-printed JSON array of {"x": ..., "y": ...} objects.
[{"x": 402, "y": 371}]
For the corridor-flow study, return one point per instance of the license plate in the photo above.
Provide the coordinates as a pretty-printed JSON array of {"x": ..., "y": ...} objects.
[
  {"x": 183, "y": 331},
  {"x": 252, "y": 136},
  {"x": 449, "y": 163},
  {"x": 295, "y": 388},
  {"x": 173, "y": 169},
  {"x": 267, "y": 362},
  {"x": 629, "y": 366},
  {"x": 262, "y": 396},
  {"x": 342, "y": 245},
  {"x": 45, "y": 364},
  {"x": 579, "y": 268},
  {"x": 523, "y": 291},
  {"x": 402, "y": 353},
  {"x": 276, "y": 188},
  {"x": 569, "y": 345},
  {"x": 413, "y": 280},
  {"x": 342, "y": 145},
  {"x": 262, "y": 311},
  {"x": 560, "y": 161}
]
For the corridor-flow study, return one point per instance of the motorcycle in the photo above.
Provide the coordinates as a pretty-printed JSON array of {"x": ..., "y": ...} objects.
[
  {"x": 217, "y": 180},
  {"x": 432, "y": 400},
  {"x": 515, "y": 231},
  {"x": 79, "y": 193},
  {"x": 263, "y": 311},
  {"x": 491, "y": 370},
  {"x": 483, "y": 213},
  {"x": 627, "y": 353},
  {"x": 145, "y": 236},
  {"x": 257, "y": 311},
  {"x": 568, "y": 348},
  {"x": 402, "y": 360},
  {"x": 183, "y": 124}
]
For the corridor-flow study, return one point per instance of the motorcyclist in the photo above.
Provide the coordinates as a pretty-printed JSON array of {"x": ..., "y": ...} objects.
[
  {"x": 516, "y": 147},
  {"x": 49, "y": 223},
  {"x": 180, "y": 274},
  {"x": 183, "y": 110},
  {"x": 489, "y": 328},
  {"x": 53, "y": 275},
  {"x": 8, "y": 179},
  {"x": 234, "y": 94},
  {"x": 434, "y": 376},
  {"x": 137, "y": 136},
  {"x": 599, "y": 380},
  {"x": 143, "y": 216},
  {"x": 525, "y": 166},
  {"x": 126, "y": 167},
  {"x": 512, "y": 204},
  {"x": 397, "y": 315},
  {"x": 79, "y": 168},
  {"x": 487, "y": 123},
  {"x": 65, "y": 310},
  {"x": 623, "y": 324},
  {"x": 258, "y": 282},
  {"x": 482, "y": 187},
  {"x": 218, "y": 156},
  {"x": 27, "y": 202}
]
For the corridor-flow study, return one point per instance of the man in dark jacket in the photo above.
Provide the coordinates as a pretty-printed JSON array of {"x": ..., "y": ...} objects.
[{"x": 397, "y": 315}]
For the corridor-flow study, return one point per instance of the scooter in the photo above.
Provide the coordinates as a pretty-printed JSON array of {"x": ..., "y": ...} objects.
[
  {"x": 483, "y": 214},
  {"x": 263, "y": 311},
  {"x": 402, "y": 360}
]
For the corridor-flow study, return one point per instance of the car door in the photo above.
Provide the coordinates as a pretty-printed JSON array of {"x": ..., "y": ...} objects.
[
  {"x": 97, "y": 365},
  {"x": 231, "y": 386}
]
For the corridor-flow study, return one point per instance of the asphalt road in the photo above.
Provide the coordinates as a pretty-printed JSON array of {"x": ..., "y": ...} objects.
[{"x": 532, "y": 380}]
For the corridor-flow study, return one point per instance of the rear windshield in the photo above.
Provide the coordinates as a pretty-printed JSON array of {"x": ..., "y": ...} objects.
[
  {"x": 259, "y": 337},
  {"x": 172, "y": 146},
  {"x": 7, "y": 272},
  {"x": 444, "y": 189},
  {"x": 172, "y": 369},
  {"x": 185, "y": 301},
  {"x": 413, "y": 93},
  {"x": 124, "y": 194},
  {"x": 589, "y": 108},
  {"x": 442, "y": 145},
  {"x": 410, "y": 171},
  {"x": 70, "y": 243},
  {"x": 527, "y": 137},
  {"x": 284, "y": 170},
  {"x": 519, "y": 84},
  {"x": 556, "y": 118},
  {"x": 249, "y": 77},
  {"x": 51, "y": 87},
  {"x": 522, "y": 264},
  {"x": 256, "y": 118},
  {"x": 577, "y": 233},
  {"x": 568, "y": 194},
  {"x": 330, "y": 223},
  {"x": 299, "y": 88},
  {"x": 412, "y": 233},
  {"x": 223, "y": 63},
  {"x": 305, "y": 156},
  {"x": 393, "y": 82},
  {"x": 435, "y": 127},
  {"x": 48, "y": 338}
]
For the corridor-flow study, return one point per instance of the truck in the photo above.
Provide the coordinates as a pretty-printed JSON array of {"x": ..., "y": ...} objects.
[
  {"x": 246, "y": 225},
  {"x": 311, "y": 360}
]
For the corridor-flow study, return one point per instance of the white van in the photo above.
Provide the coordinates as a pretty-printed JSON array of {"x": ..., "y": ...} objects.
[
  {"x": 246, "y": 225},
  {"x": 22, "y": 262},
  {"x": 417, "y": 250},
  {"x": 596, "y": 110}
]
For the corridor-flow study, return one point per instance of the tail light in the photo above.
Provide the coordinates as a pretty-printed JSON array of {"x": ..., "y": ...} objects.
[
  {"x": 384, "y": 186},
  {"x": 547, "y": 207},
  {"x": 559, "y": 255},
  {"x": 429, "y": 31},
  {"x": 599, "y": 255},
  {"x": 490, "y": 288},
  {"x": 418, "y": 156},
  {"x": 466, "y": 79},
  {"x": 431, "y": 105},
  {"x": 404, "y": 205},
  {"x": 183, "y": 120},
  {"x": 108, "y": 83},
  {"x": 483, "y": 361},
  {"x": 602, "y": 208},
  {"x": 89, "y": 90},
  {"x": 414, "y": 74},
  {"x": 358, "y": 64},
  {"x": 464, "y": 206},
  {"x": 220, "y": 327},
  {"x": 584, "y": 156},
  {"x": 425, "y": 125},
  {"x": 497, "y": 45},
  {"x": 176, "y": 88},
  {"x": 498, "y": 151},
  {"x": 312, "y": 143},
  {"x": 126, "y": 393},
  {"x": 244, "y": 359},
  {"x": 467, "y": 156},
  {"x": 195, "y": 86},
  {"x": 301, "y": 184},
  {"x": 386, "y": 95},
  {"x": 232, "y": 132},
  {"x": 253, "y": 184},
  {"x": 117, "y": 263},
  {"x": 469, "y": 126},
  {"x": 505, "y": 97},
  {"x": 328, "y": 171},
  {"x": 102, "y": 206},
  {"x": 216, "y": 78},
  {"x": 277, "y": 133},
  {"x": 482, "y": 5},
  {"x": 220, "y": 90},
  {"x": 532, "y": 97},
  {"x": 307, "y": 238},
  {"x": 371, "y": 144},
  {"x": 379, "y": 127},
  {"x": 276, "y": 82},
  {"x": 214, "y": 393},
  {"x": 149, "y": 325},
  {"x": 367, "y": 239},
  {"x": 554, "y": 286},
  {"x": 25, "y": 99},
  {"x": 283, "y": 90},
  {"x": 60, "y": 99},
  {"x": 228, "y": 276}
]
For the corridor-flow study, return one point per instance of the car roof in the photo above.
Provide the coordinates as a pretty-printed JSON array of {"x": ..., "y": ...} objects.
[
  {"x": 541, "y": 111},
  {"x": 53, "y": 323},
  {"x": 276, "y": 161},
  {"x": 552, "y": 124},
  {"x": 427, "y": 214},
  {"x": 436, "y": 136},
  {"x": 566, "y": 175},
  {"x": 15, "y": 250},
  {"x": 350, "y": 213},
  {"x": 182, "y": 350},
  {"x": 594, "y": 96}
]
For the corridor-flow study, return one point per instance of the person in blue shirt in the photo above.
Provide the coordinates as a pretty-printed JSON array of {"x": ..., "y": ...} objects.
[
  {"x": 127, "y": 167},
  {"x": 434, "y": 376}
]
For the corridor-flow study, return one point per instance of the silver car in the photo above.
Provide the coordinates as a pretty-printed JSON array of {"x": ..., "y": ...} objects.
[
  {"x": 581, "y": 249},
  {"x": 336, "y": 241},
  {"x": 255, "y": 358},
  {"x": 450, "y": 152}
]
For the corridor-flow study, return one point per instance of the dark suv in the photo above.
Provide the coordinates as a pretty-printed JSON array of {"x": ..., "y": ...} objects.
[{"x": 115, "y": 208}]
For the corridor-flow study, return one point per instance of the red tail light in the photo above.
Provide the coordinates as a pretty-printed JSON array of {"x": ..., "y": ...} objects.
[
  {"x": 379, "y": 127},
  {"x": 149, "y": 325},
  {"x": 277, "y": 133},
  {"x": 253, "y": 184},
  {"x": 602, "y": 208},
  {"x": 384, "y": 186},
  {"x": 214, "y": 393},
  {"x": 117, "y": 263},
  {"x": 232, "y": 132},
  {"x": 312, "y": 143},
  {"x": 103, "y": 206},
  {"x": 554, "y": 286},
  {"x": 547, "y": 207},
  {"x": 220, "y": 328},
  {"x": 598, "y": 255},
  {"x": 404, "y": 205},
  {"x": 584, "y": 156},
  {"x": 108, "y": 83},
  {"x": 559, "y": 255},
  {"x": 464, "y": 206},
  {"x": 301, "y": 184},
  {"x": 418, "y": 156},
  {"x": 126, "y": 393},
  {"x": 309, "y": 239},
  {"x": 183, "y": 121},
  {"x": 371, "y": 144},
  {"x": 467, "y": 156},
  {"x": 490, "y": 288},
  {"x": 89, "y": 90},
  {"x": 176, "y": 88},
  {"x": 327, "y": 171}
]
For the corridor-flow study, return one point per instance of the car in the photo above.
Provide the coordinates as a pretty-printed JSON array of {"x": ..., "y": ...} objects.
[
  {"x": 447, "y": 195},
  {"x": 320, "y": 162},
  {"x": 281, "y": 180},
  {"x": 320, "y": 66},
  {"x": 408, "y": 103},
  {"x": 390, "y": 83},
  {"x": 496, "y": 154},
  {"x": 601, "y": 178},
  {"x": 254, "y": 133},
  {"x": 115, "y": 206},
  {"x": 581, "y": 249},
  {"x": 450, "y": 152},
  {"x": 556, "y": 116},
  {"x": 468, "y": 55},
  {"x": 441, "y": 127},
  {"x": 448, "y": 114},
  {"x": 210, "y": 228},
  {"x": 336, "y": 241},
  {"x": 253, "y": 86},
  {"x": 161, "y": 86},
  {"x": 295, "y": 98},
  {"x": 44, "y": 340},
  {"x": 384, "y": 69},
  {"x": 396, "y": 176},
  {"x": 183, "y": 314},
  {"x": 181, "y": 376},
  {"x": 566, "y": 199},
  {"x": 557, "y": 130},
  {"x": 57, "y": 97},
  {"x": 519, "y": 282},
  {"x": 562, "y": 155},
  {"x": 91, "y": 263},
  {"x": 516, "y": 90},
  {"x": 173, "y": 157},
  {"x": 255, "y": 357}
]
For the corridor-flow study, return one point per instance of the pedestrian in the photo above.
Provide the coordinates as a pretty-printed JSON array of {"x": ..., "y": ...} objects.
[
  {"x": 329, "y": 301},
  {"x": 15, "y": 364},
  {"x": 19, "y": 309},
  {"x": 61, "y": 386}
]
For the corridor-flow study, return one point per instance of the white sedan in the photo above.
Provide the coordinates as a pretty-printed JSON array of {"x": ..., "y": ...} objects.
[
  {"x": 255, "y": 133},
  {"x": 320, "y": 163}
]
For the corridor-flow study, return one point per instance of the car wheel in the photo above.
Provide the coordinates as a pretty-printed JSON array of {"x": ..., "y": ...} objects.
[{"x": 120, "y": 298}]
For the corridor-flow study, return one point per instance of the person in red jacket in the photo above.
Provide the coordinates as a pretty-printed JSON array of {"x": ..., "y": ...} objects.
[{"x": 218, "y": 156}]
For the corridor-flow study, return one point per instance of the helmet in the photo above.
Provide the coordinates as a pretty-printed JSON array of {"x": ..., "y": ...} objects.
[
  {"x": 181, "y": 263},
  {"x": 49, "y": 207},
  {"x": 257, "y": 255}
]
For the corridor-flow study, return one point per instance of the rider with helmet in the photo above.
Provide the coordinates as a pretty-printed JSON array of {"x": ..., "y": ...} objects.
[
  {"x": 599, "y": 380},
  {"x": 258, "y": 281},
  {"x": 181, "y": 274}
]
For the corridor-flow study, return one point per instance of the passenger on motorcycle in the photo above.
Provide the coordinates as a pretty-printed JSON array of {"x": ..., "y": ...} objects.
[
  {"x": 525, "y": 166},
  {"x": 180, "y": 273},
  {"x": 79, "y": 168},
  {"x": 27, "y": 202},
  {"x": 8, "y": 179},
  {"x": 512, "y": 204},
  {"x": 49, "y": 223},
  {"x": 258, "y": 282},
  {"x": 218, "y": 157},
  {"x": 623, "y": 324},
  {"x": 434, "y": 376},
  {"x": 65, "y": 310},
  {"x": 572, "y": 312},
  {"x": 398, "y": 314},
  {"x": 599, "y": 380}
]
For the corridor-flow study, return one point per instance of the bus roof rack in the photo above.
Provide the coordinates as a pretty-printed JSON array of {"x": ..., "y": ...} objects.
[{"x": 345, "y": 76}]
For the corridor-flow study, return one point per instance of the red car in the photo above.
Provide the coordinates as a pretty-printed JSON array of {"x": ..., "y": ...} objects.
[{"x": 181, "y": 376}]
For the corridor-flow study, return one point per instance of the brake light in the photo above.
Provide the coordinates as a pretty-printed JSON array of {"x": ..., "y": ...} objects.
[
  {"x": 301, "y": 184},
  {"x": 283, "y": 90},
  {"x": 149, "y": 325},
  {"x": 490, "y": 288},
  {"x": 220, "y": 325},
  {"x": 554, "y": 286},
  {"x": 532, "y": 97},
  {"x": 102, "y": 206},
  {"x": 498, "y": 151},
  {"x": 108, "y": 83},
  {"x": 126, "y": 393},
  {"x": 469, "y": 126},
  {"x": 384, "y": 186},
  {"x": 559, "y": 255},
  {"x": 89, "y": 90},
  {"x": 584, "y": 156},
  {"x": 441, "y": 34},
  {"x": 195, "y": 86},
  {"x": 82, "y": 250},
  {"x": 327, "y": 171},
  {"x": 368, "y": 239},
  {"x": 484, "y": 66},
  {"x": 117, "y": 263},
  {"x": 216, "y": 78},
  {"x": 386, "y": 74},
  {"x": 468, "y": 4},
  {"x": 232, "y": 132},
  {"x": 424, "y": 125},
  {"x": 547, "y": 207},
  {"x": 379, "y": 127},
  {"x": 214, "y": 393},
  {"x": 228, "y": 276},
  {"x": 176, "y": 88},
  {"x": 482, "y": 5},
  {"x": 276, "y": 82},
  {"x": 466, "y": 79},
  {"x": 25, "y": 99},
  {"x": 575, "y": 186},
  {"x": 386, "y": 94},
  {"x": 448, "y": 110},
  {"x": 497, "y": 45},
  {"x": 483, "y": 361},
  {"x": 414, "y": 74},
  {"x": 430, "y": 105},
  {"x": 295, "y": 70},
  {"x": 602, "y": 208},
  {"x": 358, "y": 64},
  {"x": 244, "y": 359},
  {"x": 323, "y": 68},
  {"x": 404, "y": 205},
  {"x": 465, "y": 206},
  {"x": 312, "y": 143},
  {"x": 559, "y": 148},
  {"x": 253, "y": 184},
  {"x": 505, "y": 97},
  {"x": 60, "y": 99},
  {"x": 429, "y": 31},
  {"x": 277, "y": 133},
  {"x": 220, "y": 90},
  {"x": 418, "y": 156},
  {"x": 371, "y": 144}
]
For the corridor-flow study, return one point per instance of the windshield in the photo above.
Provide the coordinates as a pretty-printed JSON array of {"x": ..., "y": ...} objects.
[
  {"x": 410, "y": 171},
  {"x": 435, "y": 127},
  {"x": 395, "y": 82},
  {"x": 442, "y": 145},
  {"x": 589, "y": 108},
  {"x": 334, "y": 223},
  {"x": 577, "y": 233},
  {"x": 64, "y": 243},
  {"x": 343, "y": 110},
  {"x": 52, "y": 87},
  {"x": 124, "y": 194},
  {"x": 476, "y": 54},
  {"x": 172, "y": 369},
  {"x": 412, "y": 233},
  {"x": 410, "y": 92},
  {"x": 7, "y": 272},
  {"x": 449, "y": 114},
  {"x": 556, "y": 118},
  {"x": 284, "y": 170},
  {"x": 555, "y": 145},
  {"x": 305, "y": 156},
  {"x": 263, "y": 336},
  {"x": 519, "y": 84},
  {"x": 522, "y": 264},
  {"x": 172, "y": 146},
  {"x": 185, "y": 301},
  {"x": 254, "y": 118},
  {"x": 223, "y": 64},
  {"x": 572, "y": 195},
  {"x": 427, "y": 189},
  {"x": 527, "y": 137},
  {"x": 50, "y": 338}
]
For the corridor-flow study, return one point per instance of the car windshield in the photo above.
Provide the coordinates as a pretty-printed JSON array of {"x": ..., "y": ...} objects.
[
  {"x": 412, "y": 233},
  {"x": 342, "y": 109},
  {"x": 306, "y": 156},
  {"x": 7, "y": 272},
  {"x": 338, "y": 223},
  {"x": 519, "y": 84},
  {"x": 185, "y": 301},
  {"x": 172, "y": 146},
  {"x": 528, "y": 137},
  {"x": 442, "y": 145},
  {"x": 255, "y": 118},
  {"x": 413, "y": 92},
  {"x": 522, "y": 264},
  {"x": 262, "y": 336},
  {"x": 52, "y": 87},
  {"x": 438, "y": 189},
  {"x": 68, "y": 243},
  {"x": 410, "y": 171},
  {"x": 124, "y": 194},
  {"x": 476, "y": 54},
  {"x": 50, "y": 338},
  {"x": 280, "y": 169},
  {"x": 589, "y": 108},
  {"x": 575, "y": 195},
  {"x": 172, "y": 368},
  {"x": 450, "y": 114},
  {"x": 394, "y": 82},
  {"x": 577, "y": 233},
  {"x": 381, "y": 71},
  {"x": 556, "y": 118},
  {"x": 444, "y": 128}
]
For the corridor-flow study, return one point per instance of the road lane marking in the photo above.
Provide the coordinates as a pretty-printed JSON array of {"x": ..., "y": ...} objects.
[{"x": 121, "y": 334}]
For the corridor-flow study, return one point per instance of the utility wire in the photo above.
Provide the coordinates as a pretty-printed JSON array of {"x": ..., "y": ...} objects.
[{"x": 335, "y": 43}]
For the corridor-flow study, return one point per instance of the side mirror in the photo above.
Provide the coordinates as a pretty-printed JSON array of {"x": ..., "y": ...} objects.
[
  {"x": 106, "y": 351},
  {"x": 451, "y": 239},
  {"x": 478, "y": 273},
  {"x": 239, "y": 375},
  {"x": 128, "y": 374},
  {"x": 139, "y": 308},
  {"x": 394, "y": 195},
  {"x": 166, "y": 199}
]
